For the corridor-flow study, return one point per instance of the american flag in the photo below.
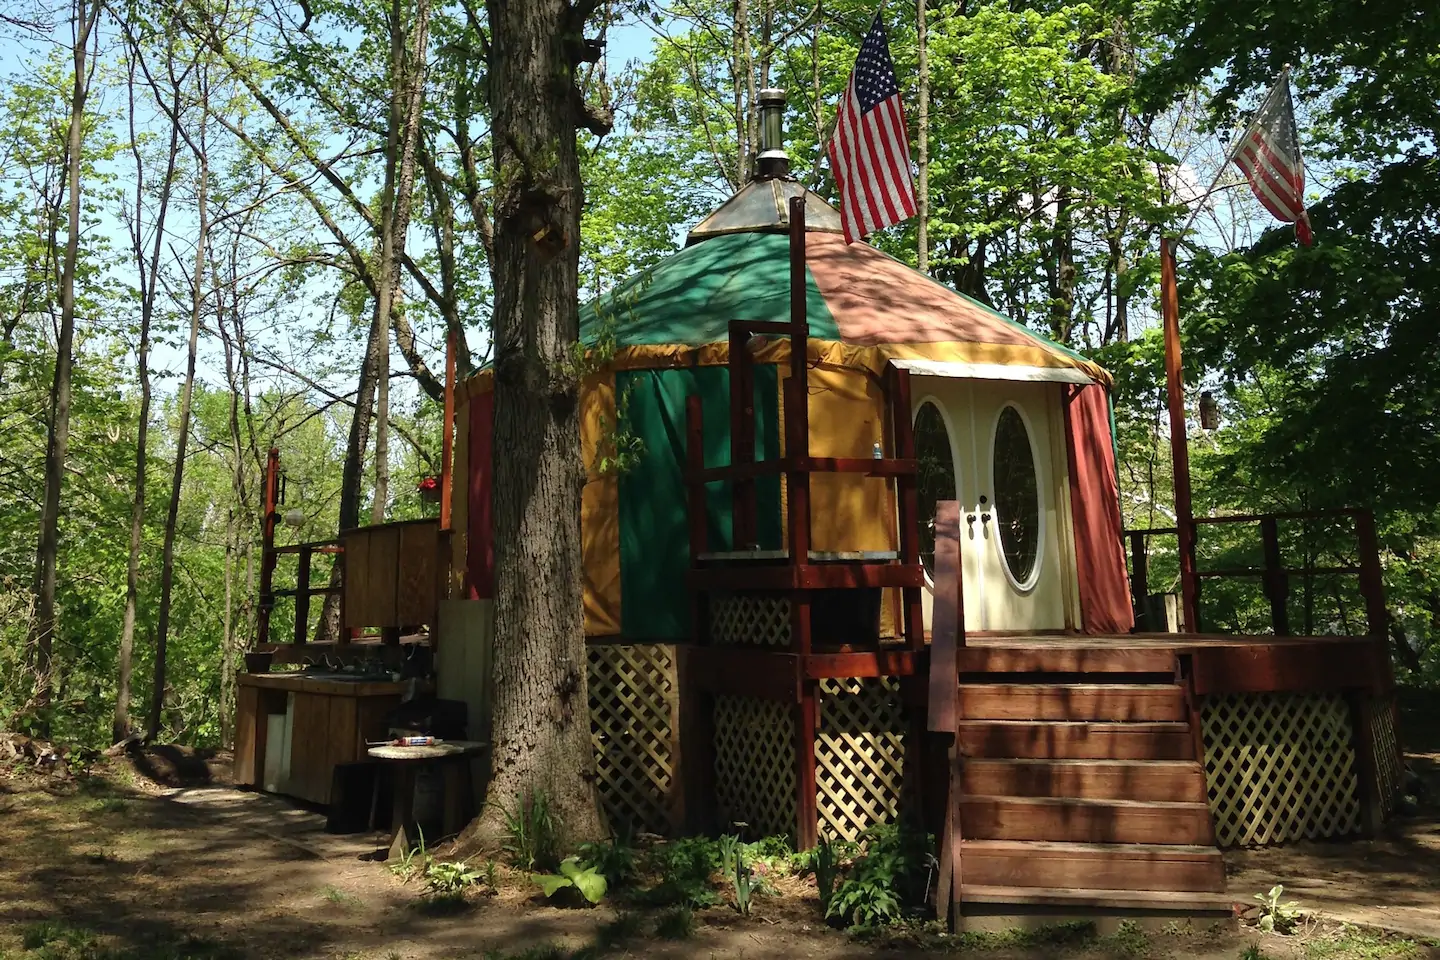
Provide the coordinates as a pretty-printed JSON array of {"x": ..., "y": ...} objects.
[
  {"x": 1269, "y": 156},
  {"x": 870, "y": 150}
]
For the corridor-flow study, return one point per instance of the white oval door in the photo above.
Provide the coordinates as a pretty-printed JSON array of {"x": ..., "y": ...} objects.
[{"x": 1006, "y": 466}]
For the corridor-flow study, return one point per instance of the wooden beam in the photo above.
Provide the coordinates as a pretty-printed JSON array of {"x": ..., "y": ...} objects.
[
  {"x": 814, "y": 576},
  {"x": 268, "y": 516},
  {"x": 1179, "y": 445},
  {"x": 947, "y": 621}
]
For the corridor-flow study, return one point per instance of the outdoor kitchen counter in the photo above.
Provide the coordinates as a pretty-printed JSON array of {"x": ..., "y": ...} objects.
[{"x": 292, "y": 730}]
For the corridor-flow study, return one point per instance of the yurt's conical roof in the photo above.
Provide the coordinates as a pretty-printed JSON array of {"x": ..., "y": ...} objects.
[{"x": 865, "y": 306}]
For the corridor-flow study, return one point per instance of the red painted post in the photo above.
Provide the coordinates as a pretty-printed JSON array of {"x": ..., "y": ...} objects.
[
  {"x": 1179, "y": 445},
  {"x": 447, "y": 436},
  {"x": 907, "y": 488},
  {"x": 742, "y": 438},
  {"x": 1372, "y": 582},
  {"x": 269, "y": 515},
  {"x": 797, "y": 394}
]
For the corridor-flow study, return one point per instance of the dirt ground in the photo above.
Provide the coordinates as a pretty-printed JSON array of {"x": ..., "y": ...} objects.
[{"x": 116, "y": 867}]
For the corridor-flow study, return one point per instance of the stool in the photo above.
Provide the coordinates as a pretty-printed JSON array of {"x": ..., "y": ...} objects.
[{"x": 452, "y": 759}]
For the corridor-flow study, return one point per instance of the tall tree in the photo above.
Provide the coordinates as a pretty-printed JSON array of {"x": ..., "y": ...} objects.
[
  {"x": 147, "y": 265},
  {"x": 82, "y": 30},
  {"x": 199, "y": 147},
  {"x": 540, "y": 741}
]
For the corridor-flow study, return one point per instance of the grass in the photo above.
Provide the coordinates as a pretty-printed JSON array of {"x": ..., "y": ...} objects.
[
  {"x": 335, "y": 895},
  {"x": 1075, "y": 933},
  {"x": 1355, "y": 943},
  {"x": 677, "y": 923},
  {"x": 51, "y": 940}
]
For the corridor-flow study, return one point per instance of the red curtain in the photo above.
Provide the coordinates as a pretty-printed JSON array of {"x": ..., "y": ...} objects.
[
  {"x": 480, "y": 548},
  {"x": 1105, "y": 606}
]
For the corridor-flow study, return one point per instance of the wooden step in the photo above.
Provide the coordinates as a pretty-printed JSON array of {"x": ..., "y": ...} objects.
[
  {"x": 1070, "y": 866},
  {"x": 1175, "y": 781},
  {"x": 1085, "y": 821},
  {"x": 1072, "y": 701},
  {"x": 1051, "y": 658},
  {"x": 1083, "y": 740},
  {"x": 1169, "y": 901}
]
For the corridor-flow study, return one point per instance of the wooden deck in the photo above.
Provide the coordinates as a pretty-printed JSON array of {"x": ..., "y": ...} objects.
[{"x": 1082, "y": 777}]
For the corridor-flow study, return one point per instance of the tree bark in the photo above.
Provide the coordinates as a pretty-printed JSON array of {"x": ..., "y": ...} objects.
[
  {"x": 187, "y": 391},
  {"x": 540, "y": 743},
  {"x": 42, "y": 635},
  {"x": 922, "y": 184}
]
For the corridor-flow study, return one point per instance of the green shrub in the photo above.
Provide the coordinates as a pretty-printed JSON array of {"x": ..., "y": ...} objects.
[
  {"x": 573, "y": 874},
  {"x": 532, "y": 833}
]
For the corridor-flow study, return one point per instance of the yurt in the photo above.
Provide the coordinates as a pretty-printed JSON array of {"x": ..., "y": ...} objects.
[{"x": 1013, "y": 426}]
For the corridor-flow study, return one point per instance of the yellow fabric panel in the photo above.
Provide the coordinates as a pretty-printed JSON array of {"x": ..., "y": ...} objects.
[
  {"x": 599, "y": 510},
  {"x": 849, "y": 511},
  {"x": 836, "y": 353}
]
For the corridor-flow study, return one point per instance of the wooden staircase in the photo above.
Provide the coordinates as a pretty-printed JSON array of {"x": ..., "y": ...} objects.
[{"x": 1080, "y": 783}]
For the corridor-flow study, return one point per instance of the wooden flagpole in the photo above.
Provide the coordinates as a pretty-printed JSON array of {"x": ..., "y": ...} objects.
[{"x": 1179, "y": 443}]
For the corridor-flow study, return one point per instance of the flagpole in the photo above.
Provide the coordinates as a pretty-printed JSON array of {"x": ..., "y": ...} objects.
[
  {"x": 1179, "y": 442},
  {"x": 1175, "y": 381}
]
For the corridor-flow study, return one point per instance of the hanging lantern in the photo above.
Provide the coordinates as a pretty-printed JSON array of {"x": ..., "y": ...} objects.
[
  {"x": 1209, "y": 411},
  {"x": 429, "y": 489},
  {"x": 295, "y": 517}
]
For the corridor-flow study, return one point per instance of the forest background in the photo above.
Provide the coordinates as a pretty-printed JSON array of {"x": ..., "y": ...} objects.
[{"x": 226, "y": 226}]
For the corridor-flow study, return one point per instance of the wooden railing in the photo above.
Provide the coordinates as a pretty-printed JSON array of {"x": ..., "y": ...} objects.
[
  {"x": 302, "y": 591},
  {"x": 1274, "y": 574}
]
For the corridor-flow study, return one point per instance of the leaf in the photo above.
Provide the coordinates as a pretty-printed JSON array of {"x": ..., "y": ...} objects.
[
  {"x": 571, "y": 867},
  {"x": 591, "y": 885},
  {"x": 550, "y": 884}
]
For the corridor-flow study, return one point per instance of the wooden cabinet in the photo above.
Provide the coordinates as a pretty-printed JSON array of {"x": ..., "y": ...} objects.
[{"x": 330, "y": 722}]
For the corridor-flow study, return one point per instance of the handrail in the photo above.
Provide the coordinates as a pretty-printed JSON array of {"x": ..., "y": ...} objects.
[{"x": 1275, "y": 575}]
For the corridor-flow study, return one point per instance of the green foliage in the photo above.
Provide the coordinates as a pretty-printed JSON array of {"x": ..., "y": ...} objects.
[
  {"x": 1277, "y": 916},
  {"x": 891, "y": 873},
  {"x": 532, "y": 832},
  {"x": 613, "y": 859},
  {"x": 589, "y": 881},
  {"x": 824, "y": 863},
  {"x": 676, "y": 923},
  {"x": 449, "y": 878},
  {"x": 685, "y": 868},
  {"x": 737, "y": 872}
]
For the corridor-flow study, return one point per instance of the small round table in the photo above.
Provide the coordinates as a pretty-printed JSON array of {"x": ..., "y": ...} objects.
[{"x": 451, "y": 758}]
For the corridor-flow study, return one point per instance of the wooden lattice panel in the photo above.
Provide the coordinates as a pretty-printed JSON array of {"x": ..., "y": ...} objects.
[
  {"x": 750, "y": 620},
  {"x": 633, "y": 693},
  {"x": 859, "y": 755},
  {"x": 755, "y": 765},
  {"x": 1387, "y": 752},
  {"x": 1280, "y": 767}
]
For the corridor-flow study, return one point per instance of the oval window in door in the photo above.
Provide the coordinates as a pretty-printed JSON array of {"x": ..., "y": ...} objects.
[
  {"x": 1017, "y": 497},
  {"x": 936, "y": 479}
]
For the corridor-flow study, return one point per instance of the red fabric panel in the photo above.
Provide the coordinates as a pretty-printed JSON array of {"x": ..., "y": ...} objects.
[
  {"x": 480, "y": 547},
  {"x": 1105, "y": 606}
]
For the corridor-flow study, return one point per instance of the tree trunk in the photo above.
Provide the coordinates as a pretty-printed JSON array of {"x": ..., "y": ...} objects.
[
  {"x": 42, "y": 635},
  {"x": 540, "y": 741},
  {"x": 922, "y": 184},
  {"x": 149, "y": 285},
  {"x": 187, "y": 391}
]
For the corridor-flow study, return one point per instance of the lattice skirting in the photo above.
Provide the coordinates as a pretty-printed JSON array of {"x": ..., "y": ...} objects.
[
  {"x": 859, "y": 755},
  {"x": 1384, "y": 736},
  {"x": 633, "y": 713},
  {"x": 755, "y": 765},
  {"x": 1280, "y": 767},
  {"x": 750, "y": 620}
]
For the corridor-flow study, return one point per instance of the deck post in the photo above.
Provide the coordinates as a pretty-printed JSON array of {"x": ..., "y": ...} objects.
[
  {"x": 269, "y": 514},
  {"x": 1179, "y": 444},
  {"x": 1277, "y": 583},
  {"x": 907, "y": 488},
  {"x": 302, "y": 595},
  {"x": 943, "y": 715},
  {"x": 1372, "y": 583},
  {"x": 1140, "y": 577}
]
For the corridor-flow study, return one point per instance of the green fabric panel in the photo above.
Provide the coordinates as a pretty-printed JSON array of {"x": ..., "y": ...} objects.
[
  {"x": 691, "y": 297},
  {"x": 654, "y": 531}
]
